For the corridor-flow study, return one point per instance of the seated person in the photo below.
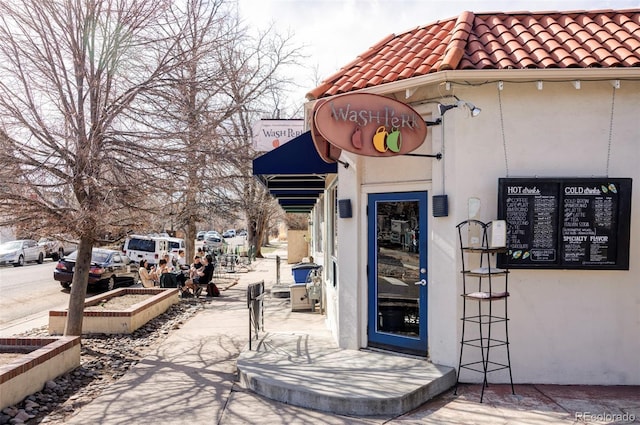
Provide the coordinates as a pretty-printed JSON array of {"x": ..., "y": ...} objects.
[
  {"x": 186, "y": 284},
  {"x": 169, "y": 262},
  {"x": 148, "y": 278},
  {"x": 163, "y": 267},
  {"x": 182, "y": 260},
  {"x": 194, "y": 266},
  {"x": 169, "y": 268},
  {"x": 204, "y": 274},
  {"x": 167, "y": 277}
]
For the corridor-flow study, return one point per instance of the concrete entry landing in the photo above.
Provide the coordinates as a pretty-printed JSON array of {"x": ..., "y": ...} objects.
[{"x": 308, "y": 370}]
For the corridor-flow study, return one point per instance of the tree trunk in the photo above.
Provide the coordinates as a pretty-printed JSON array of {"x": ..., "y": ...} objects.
[
  {"x": 260, "y": 234},
  {"x": 79, "y": 288}
]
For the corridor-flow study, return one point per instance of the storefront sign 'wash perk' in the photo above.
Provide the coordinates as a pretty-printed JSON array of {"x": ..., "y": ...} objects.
[{"x": 367, "y": 124}]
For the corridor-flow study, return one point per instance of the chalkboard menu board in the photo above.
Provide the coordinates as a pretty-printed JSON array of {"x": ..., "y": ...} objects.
[{"x": 566, "y": 223}]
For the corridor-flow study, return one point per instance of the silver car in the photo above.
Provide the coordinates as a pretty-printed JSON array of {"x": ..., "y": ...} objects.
[
  {"x": 213, "y": 242},
  {"x": 21, "y": 251}
]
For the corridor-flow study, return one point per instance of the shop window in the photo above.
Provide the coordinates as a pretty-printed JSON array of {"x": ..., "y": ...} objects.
[{"x": 318, "y": 226}]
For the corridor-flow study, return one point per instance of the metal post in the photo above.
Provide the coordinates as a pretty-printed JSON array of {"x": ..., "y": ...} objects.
[
  {"x": 255, "y": 297},
  {"x": 277, "y": 270}
]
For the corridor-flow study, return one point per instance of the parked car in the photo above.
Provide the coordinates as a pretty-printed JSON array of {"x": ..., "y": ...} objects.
[
  {"x": 56, "y": 249},
  {"x": 200, "y": 235},
  {"x": 150, "y": 248},
  {"x": 21, "y": 251},
  {"x": 242, "y": 233},
  {"x": 231, "y": 233},
  {"x": 175, "y": 245},
  {"x": 213, "y": 242},
  {"x": 109, "y": 268}
]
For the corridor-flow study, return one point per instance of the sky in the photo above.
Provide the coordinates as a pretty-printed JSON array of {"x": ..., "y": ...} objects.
[{"x": 334, "y": 32}]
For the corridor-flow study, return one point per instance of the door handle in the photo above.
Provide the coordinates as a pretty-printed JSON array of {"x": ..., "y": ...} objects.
[{"x": 422, "y": 282}]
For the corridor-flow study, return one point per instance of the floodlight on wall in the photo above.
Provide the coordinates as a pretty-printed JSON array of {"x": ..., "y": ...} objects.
[
  {"x": 441, "y": 202},
  {"x": 444, "y": 108},
  {"x": 473, "y": 109}
]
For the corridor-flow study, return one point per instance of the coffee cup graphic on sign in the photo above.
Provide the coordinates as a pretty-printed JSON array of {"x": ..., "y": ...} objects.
[
  {"x": 356, "y": 138},
  {"x": 394, "y": 140},
  {"x": 380, "y": 139}
]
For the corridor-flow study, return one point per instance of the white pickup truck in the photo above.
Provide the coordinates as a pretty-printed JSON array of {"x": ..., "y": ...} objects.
[
  {"x": 21, "y": 251},
  {"x": 56, "y": 249}
]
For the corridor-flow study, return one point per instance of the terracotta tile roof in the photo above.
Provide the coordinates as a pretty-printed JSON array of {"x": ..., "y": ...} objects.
[{"x": 516, "y": 40}]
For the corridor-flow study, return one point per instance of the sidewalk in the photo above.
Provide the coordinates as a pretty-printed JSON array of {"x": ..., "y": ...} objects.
[{"x": 192, "y": 378}]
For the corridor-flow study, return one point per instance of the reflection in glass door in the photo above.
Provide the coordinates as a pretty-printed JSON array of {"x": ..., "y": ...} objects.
[{"x": 397, "y": 266}]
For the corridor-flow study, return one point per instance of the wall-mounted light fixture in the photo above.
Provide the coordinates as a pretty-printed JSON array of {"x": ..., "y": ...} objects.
[
  {"x": 440, "y": 203},
  {"x": 473, "y": 109},
  {"x": 344, "y": 208}
]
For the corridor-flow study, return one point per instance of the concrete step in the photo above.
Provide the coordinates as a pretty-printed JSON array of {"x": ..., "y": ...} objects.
[
  {"x": 280, "y": 292},
  {"x": 308, "y": 370}
]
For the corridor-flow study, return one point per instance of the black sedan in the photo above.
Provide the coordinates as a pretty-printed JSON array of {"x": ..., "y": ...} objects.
[{"x": 109, "y": 269}]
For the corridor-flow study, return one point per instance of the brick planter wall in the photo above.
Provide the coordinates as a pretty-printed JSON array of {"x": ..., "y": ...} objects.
[
  {"x": 44, "y": 359},
  {"x": 118, "y": 321}
]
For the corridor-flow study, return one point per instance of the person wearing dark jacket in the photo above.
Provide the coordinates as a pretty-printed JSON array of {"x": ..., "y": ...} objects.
[{"x": 204, "y": 274}]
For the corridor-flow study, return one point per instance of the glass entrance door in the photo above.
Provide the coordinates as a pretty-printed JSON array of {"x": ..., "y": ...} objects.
[{"x": 397, "y": 271}]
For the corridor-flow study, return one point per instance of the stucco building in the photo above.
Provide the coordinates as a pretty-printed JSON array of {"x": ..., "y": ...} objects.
[{"x": 550, "y": 98}]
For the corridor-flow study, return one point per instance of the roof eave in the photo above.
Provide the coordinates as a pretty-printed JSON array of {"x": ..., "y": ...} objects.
[{"x": 512, "y": 75}]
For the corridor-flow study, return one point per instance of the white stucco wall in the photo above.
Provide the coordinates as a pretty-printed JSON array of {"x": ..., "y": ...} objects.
[{"x": 567, "y": 326}]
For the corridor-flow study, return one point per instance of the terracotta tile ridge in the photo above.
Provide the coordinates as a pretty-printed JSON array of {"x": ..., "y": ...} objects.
[
  {"x": 570, "y": 12},
  {"x": 459, "y": 36},
  {"x": 328, "y": 82}
]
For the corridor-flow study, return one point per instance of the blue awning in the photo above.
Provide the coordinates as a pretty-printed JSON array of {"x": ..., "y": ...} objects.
[{"x": 294, "y": 173}]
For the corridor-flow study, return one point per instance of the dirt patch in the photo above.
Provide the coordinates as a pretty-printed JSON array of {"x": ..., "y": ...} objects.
[
  {"x": 9, "y": 357},
  {"x": 121, "y": 302}
]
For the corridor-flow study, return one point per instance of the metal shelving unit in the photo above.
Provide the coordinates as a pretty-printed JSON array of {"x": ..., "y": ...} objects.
[{"x": 482, "y": 286}]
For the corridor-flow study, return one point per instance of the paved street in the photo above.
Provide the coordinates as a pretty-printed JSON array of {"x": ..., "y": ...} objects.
[{"x": 28, "y": 293}]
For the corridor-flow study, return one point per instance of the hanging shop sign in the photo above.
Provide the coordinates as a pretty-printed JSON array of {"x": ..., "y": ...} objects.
[
  {"x": 328, "y": 152},
  {"x": 566, "y": 223},
  {"x": 369, "y": 124},
  {"x": 270, "y": 134}
]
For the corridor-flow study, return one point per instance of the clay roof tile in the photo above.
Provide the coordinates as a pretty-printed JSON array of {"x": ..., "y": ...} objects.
[
  {"x": 406, "y": 73},
  {"x": 533, "y": 45},
  {"x": 587, "y": 39},
  {"x": 571, "y": 45},
  {"x": 589, "y": 61},
  {"x": 358, "y": 84},
  {"x": 520, "y": 55},
  {"x": 393, "y": 61},
  {"x": 539, "y": 56},
  {"x": 392, "y": 76},
  {"x": 375, "y": 80},
  {"x": 631, "y": 25},
  {"x": 624, "y": 56},
  {"x": 459, "y": 36},
  {"x": 632, "y": 44},
  {"x": 414, "y": 63},
  {"x": 423, "y": 69}
]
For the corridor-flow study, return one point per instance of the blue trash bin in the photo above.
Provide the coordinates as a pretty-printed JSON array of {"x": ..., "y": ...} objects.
[{"x": 301, "y": 271}]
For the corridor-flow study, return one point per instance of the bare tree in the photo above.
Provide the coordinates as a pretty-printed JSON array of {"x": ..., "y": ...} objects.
[
  {"x": 80, "y": 157},
  {"x": 202, "y": 110},
  {"x": 69, "y": 70}
]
